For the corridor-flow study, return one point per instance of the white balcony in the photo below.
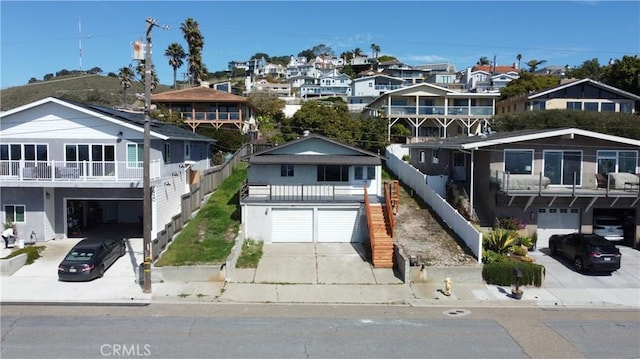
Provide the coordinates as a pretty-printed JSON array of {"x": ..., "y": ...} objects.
[
  {"x": 302, "y": 193},
  {"x": 76, "y": 171}
]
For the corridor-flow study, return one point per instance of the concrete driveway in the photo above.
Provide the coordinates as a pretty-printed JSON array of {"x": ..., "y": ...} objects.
[
  {"x": 38, "y": 282},
  {"x": 315, "y": 263},
  {"x": 621, "y": 286}
]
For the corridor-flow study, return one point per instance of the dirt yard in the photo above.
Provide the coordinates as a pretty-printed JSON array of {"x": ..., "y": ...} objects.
[{"x": 424, "y": 239}]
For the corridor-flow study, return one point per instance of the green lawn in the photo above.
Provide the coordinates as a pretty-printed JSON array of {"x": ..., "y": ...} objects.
[{"x": 209, "y": 237}]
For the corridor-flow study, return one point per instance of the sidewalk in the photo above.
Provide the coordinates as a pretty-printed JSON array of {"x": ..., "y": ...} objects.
[{"x": 312, "y": 274}]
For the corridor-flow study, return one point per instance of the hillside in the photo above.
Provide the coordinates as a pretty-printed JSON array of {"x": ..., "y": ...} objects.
[{"x": 93, "y": 89}]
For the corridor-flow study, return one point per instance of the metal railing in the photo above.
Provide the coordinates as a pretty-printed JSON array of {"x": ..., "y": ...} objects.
[
  {"x": 114, "y": 171},
  {"x": 302, "y": 192},
  {"x": 440, "y": 110}
]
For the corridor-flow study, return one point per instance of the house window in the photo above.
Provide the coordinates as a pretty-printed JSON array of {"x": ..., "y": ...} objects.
[
  {"x": 286, "y": 170},
  {"x": 539, "y": 105},
  {"x": 574, "y": 105},
  {"x": 360, "y": 174},
  {"x": 518, "y": 162},
  {"x": 167, "y": 153},
  {"x": 76, "y": 152},
  {"x": 626, "y": 107},
  {"x": 435, "y": 156},
  {"x": 14, "y": 213},
  {"x": 333, "y": 173},
  {"x": 617, "y": 161},
  {"x": 591, "y": 106},
  {"x": 561, "y": 167},
  {"x": 135, "y": 155},
  {"x": 422, "y": 157},
  {"x": 607, "y": 107}
]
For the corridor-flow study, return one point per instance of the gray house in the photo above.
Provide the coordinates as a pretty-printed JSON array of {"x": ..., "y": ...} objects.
[
  {"x": 309, "y": 190},
  {"x": 67, "y": 169},
  {"x": 553, "y": 181}
]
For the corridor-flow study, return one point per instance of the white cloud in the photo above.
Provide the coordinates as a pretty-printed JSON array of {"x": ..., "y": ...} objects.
[{"x": 423, "y": 59}]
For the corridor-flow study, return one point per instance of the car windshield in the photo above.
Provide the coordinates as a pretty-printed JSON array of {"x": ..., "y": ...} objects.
[
  {"x": 80, "y": 255},
  {"x": 607, "y": 222}
]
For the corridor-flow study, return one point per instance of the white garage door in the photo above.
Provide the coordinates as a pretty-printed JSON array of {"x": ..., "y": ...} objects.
[
  {"x": 291, "y": 225},
  {"x": 556, "y": 221},
  {"x": 338, "y": 225}
]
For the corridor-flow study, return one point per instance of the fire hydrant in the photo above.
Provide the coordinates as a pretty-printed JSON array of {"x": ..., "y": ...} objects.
[{"x": 447, "y": 286}]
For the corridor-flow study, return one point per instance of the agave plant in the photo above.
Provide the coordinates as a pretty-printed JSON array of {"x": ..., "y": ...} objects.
[{"x": 500, "y": 240}]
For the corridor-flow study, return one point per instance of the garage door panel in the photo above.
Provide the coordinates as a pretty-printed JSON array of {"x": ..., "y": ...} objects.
[
  {"x": 292, "y": 225},
  {"x": 556, "y": 221},
  {"x": 338, "y": 225}
]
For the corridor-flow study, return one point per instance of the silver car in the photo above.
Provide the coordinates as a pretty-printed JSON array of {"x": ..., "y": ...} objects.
[{"x": 608, "y": 227}]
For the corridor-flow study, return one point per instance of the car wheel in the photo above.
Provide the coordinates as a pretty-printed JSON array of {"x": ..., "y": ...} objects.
[
  {"x": 578, "y": 264},
  {"x": 553, "y": 249},
  {"x": 101, "y": 271},
  {"x": 123, "y": 251}
]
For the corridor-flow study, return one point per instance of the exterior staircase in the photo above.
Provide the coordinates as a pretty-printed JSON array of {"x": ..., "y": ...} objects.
[{"x": 380, "y": 221}]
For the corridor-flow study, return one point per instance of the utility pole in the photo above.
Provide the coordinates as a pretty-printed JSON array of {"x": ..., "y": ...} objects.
[{"x": 146, "y": 204}]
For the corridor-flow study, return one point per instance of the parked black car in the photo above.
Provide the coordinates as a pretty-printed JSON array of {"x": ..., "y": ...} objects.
[
  {"x": 586, "y": 251},
  {"x": 90, "y": 258}
]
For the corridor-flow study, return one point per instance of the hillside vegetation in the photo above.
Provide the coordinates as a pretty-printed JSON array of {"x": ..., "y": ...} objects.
[{"x": 92, "y": 89}]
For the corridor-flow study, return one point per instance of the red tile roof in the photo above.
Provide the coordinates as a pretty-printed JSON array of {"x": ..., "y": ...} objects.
[
  {"x": 197, "y": 94},
  {"x": 498, "y": 69}
]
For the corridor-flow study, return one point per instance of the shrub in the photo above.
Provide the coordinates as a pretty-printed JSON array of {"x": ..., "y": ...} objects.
[
  {"x": 499, "y": 240},
  {"x": 489, "y": 256},
  {"x": 501, "y": 273},
  {"x": 519, "y": 250},
  {"x": 525, "y": 241},
  {"x": 511, "y": 223}
]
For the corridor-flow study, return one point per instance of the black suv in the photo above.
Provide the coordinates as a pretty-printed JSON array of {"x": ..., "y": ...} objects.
[{"x": 587, "y": 251}]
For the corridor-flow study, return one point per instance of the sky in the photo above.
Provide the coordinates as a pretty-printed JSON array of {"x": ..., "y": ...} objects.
[{"x": 38, "y": 38}]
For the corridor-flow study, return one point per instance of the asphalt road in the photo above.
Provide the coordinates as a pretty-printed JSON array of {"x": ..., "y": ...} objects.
[{"x": 308, "y": 331}]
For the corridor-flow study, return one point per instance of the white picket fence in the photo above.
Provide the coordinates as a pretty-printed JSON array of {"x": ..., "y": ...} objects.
[{"x": 413, "y": 178}]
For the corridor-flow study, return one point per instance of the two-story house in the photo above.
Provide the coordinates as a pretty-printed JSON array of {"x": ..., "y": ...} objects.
[
  {"x": 556, "y": 180},
  {"x": 434, "y": 111},
  {"x": 580, "y": 95},
  {"x": 315, "y": 189},
  {"x": 331, "y": 83},
  {"x": 368, "y": 88},
  {"x": 481, "y": 78},
  {"x": 67, "y": 168},
  {"x": 204, "y": 106}
]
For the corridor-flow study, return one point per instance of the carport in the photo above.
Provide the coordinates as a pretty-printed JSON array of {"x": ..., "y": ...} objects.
[{"x": 90, "y": 217}]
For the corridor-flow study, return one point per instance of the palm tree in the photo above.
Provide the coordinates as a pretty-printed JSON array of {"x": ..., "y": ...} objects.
[
  {"x": 125, "y": 75},
  {"x": 175, "y": 53},
  {"x": 357, "y": 52},
  {"x": 519, "y": 57},
  {"x": 375, "y": 50},
  {"x": 484, "y": 61},
  {"x": 140, "y": 70},
  {"x": 533, "y": 64},
  {"x": 195, "y": 42}
]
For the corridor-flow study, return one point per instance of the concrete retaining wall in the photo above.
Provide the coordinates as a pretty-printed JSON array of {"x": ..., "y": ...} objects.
[
  {"x": 11, "y": 265},
  {"x": 190, "y": 273}
]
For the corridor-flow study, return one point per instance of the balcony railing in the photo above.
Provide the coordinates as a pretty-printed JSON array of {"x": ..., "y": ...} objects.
[
  {"x": 302, "y": 192},
  {"x": 440, "y": 110},
  {"x": 537, "y": 184},
  {"x": 65, "y": 171},
  {"x": 212, "y": 116}
]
